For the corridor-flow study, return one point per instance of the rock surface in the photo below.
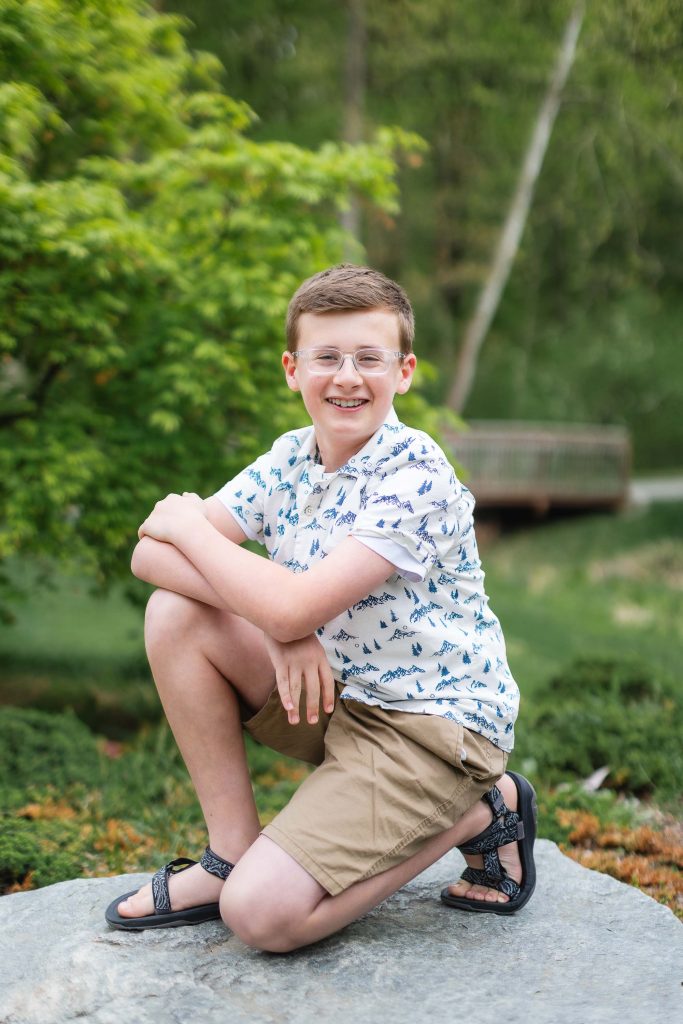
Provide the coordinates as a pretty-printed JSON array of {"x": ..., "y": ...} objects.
[{"x": 586, "y": 948}]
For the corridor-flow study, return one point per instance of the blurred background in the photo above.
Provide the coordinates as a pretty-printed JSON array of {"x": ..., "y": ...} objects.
[{"x": 169, "y": 173}]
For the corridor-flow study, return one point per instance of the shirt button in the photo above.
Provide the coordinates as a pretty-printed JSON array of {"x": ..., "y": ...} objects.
[{"x": 308, "y": 510}]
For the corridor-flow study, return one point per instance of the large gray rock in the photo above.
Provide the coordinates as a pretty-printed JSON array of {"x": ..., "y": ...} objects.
[{"x": 586, "y": 949}]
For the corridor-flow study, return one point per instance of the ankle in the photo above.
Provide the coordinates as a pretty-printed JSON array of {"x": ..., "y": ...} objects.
[{"x": 231, "y": 846}]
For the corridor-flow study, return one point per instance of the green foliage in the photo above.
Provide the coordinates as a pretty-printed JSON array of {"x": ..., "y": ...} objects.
[
  {"x": 43, "y": 756},
  {"x": 148, "y": 249},
  {"x": 603, "y": 712},
  {"x": 625, "y": 356},
  {"x": 38, "y": 749},
  {"x": 40, "y": 855},
  {"x": 118, "y": 808}
]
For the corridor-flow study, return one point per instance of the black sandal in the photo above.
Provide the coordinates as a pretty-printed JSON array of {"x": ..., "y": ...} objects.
[
  {"x": 507, "y": 827},
  {"x": 163, "y": 916}
]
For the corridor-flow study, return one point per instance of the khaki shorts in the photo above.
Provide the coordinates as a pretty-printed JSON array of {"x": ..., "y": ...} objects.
[{"x": 387, "y": 781}]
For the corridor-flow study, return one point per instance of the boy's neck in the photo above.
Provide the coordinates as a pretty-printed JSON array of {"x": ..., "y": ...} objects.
[
  {"x": 331, "y": 457},
  {"x": 331, "y": 452}
]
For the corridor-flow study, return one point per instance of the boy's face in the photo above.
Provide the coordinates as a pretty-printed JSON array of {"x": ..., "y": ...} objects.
[{"x": 346, "y": 407}]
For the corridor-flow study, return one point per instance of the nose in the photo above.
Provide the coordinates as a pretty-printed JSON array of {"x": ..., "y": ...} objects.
[{"x": 348, "y": 370}]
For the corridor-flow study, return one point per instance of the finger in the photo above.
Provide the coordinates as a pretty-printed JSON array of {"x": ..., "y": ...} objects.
[
  {"x": 282, "y": 683},
  {"x": 328, "y": 687},
  {"x": 295, "y": 694},
  {"x": 312, "y": 684}
]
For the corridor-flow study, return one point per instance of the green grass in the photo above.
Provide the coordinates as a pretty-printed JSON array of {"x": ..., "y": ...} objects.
[
  {"x": 63, "y": 623},
  {"x": 602, "y": 586},
  {"x": 72, "y": 648}
]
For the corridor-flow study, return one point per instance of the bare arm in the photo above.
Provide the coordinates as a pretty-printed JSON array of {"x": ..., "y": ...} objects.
[
  {"x": 301, "y": 664},
  {"x": 286, "y": 605},
  {"x": 165, "y": 566}
]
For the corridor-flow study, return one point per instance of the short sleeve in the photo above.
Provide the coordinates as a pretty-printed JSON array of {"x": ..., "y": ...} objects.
[
  {"x": 421, "y": 508},
  {"x": 244, "y": 497},
  {"x": 404, "y": 563}
]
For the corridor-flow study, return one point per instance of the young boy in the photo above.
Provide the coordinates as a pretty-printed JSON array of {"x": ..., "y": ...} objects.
[{"x": 364, "y": 645}]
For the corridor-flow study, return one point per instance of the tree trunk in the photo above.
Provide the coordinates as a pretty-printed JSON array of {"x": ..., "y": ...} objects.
[
  {"x": 508, "y": 244},
  {"x": 355, "y": 74}
]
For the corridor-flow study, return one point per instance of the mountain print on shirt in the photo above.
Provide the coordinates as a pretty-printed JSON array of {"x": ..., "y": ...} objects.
[{"x": 425, "y": 641}]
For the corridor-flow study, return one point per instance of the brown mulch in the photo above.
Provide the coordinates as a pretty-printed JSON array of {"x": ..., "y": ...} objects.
[{"x": 650, "y": 859}]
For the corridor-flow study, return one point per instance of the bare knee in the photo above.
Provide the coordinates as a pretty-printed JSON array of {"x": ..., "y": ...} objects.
[
  {"x": 169, "y": 615},
  {"x": 256, "y": 919}
]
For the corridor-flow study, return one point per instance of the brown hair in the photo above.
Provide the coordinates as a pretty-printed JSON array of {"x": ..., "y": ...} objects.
[{"x": 348, "y": 287}]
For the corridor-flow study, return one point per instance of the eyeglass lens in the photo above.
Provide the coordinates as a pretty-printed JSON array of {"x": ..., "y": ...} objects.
[{"x": 366, "y": 360}]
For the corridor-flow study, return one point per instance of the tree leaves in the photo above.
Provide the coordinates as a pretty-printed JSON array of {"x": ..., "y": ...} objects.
[{"x": 149, "y": 248}]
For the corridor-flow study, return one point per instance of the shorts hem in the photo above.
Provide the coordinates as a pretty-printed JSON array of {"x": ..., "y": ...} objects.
[
  {"x": 423, "y": 826},
  {"x": 285, "y": 841},
  {"x": 290, "y": 846}
]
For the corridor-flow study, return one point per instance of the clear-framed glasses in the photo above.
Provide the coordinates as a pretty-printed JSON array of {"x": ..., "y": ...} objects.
[{"x": 368, "y": 362}]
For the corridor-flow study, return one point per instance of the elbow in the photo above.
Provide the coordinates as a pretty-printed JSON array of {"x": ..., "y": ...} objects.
[
  {"x": 138, "y": 562},
  {"x": 280, "y": 629},
  {"x": 290, "y": 624}
]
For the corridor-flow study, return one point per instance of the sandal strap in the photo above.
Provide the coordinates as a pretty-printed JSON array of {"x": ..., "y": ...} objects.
[
  {"x": 210, "y": 861},
  {"x": 215, "y": 865},
  {"x": 506, "y": 885},
  {"x": 162, "y": 900},
  {"x": 496, "y": 801},
  {"x": 492, "y": 865},
  {"x": 506, "y": 827}
]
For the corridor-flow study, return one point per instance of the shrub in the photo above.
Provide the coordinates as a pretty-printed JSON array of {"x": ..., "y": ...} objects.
[
  {"x": 31, "y": 857},
  {"x": 609, "y": 712},
  {"x": 39, "y": 749}
]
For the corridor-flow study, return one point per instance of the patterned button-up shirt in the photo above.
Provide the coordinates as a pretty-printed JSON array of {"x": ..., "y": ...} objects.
[{"x": 425, "y": 641}]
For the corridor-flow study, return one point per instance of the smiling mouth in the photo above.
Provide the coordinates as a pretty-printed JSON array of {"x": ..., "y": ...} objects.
[{"x": 347, "y": 403}]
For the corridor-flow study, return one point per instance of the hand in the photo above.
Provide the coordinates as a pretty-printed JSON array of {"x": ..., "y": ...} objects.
[
  {"x": 172, "y": 515},
  {"x": 302, "y": 661}
]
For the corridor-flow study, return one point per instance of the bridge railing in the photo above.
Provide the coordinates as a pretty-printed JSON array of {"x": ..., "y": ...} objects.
[{"x": 541, "y": 465}]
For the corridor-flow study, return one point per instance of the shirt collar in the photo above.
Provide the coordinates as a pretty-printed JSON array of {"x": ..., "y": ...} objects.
[{"x": 363, "y": 461}]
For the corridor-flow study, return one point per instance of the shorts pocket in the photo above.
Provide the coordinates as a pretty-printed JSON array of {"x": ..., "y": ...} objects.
[
  {"x": 459, "y": 752},
  {"x": 482, "y": 759}
]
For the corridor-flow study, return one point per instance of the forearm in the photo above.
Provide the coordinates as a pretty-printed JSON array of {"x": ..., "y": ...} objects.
[
  {"x": 285, "y": 604},
  {"x": 163, "y": 565},
  {"x": 261, "y": 591}
]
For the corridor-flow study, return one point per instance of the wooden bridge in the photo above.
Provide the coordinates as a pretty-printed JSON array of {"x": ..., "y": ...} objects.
[{"x": 544, "y": 465}]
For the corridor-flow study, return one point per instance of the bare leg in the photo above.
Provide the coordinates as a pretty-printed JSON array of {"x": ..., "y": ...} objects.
[
  {"x": 272, "y": 903},
  {"x": 193, "y": 651}
]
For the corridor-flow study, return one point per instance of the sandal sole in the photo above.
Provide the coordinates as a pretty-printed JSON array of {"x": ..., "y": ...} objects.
[{"x": 173, "y": 919}]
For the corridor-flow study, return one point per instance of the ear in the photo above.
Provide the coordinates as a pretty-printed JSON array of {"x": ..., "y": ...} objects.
[
  {"x": 407, "y": 369},
  {"x": 289, "y": 364}
]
